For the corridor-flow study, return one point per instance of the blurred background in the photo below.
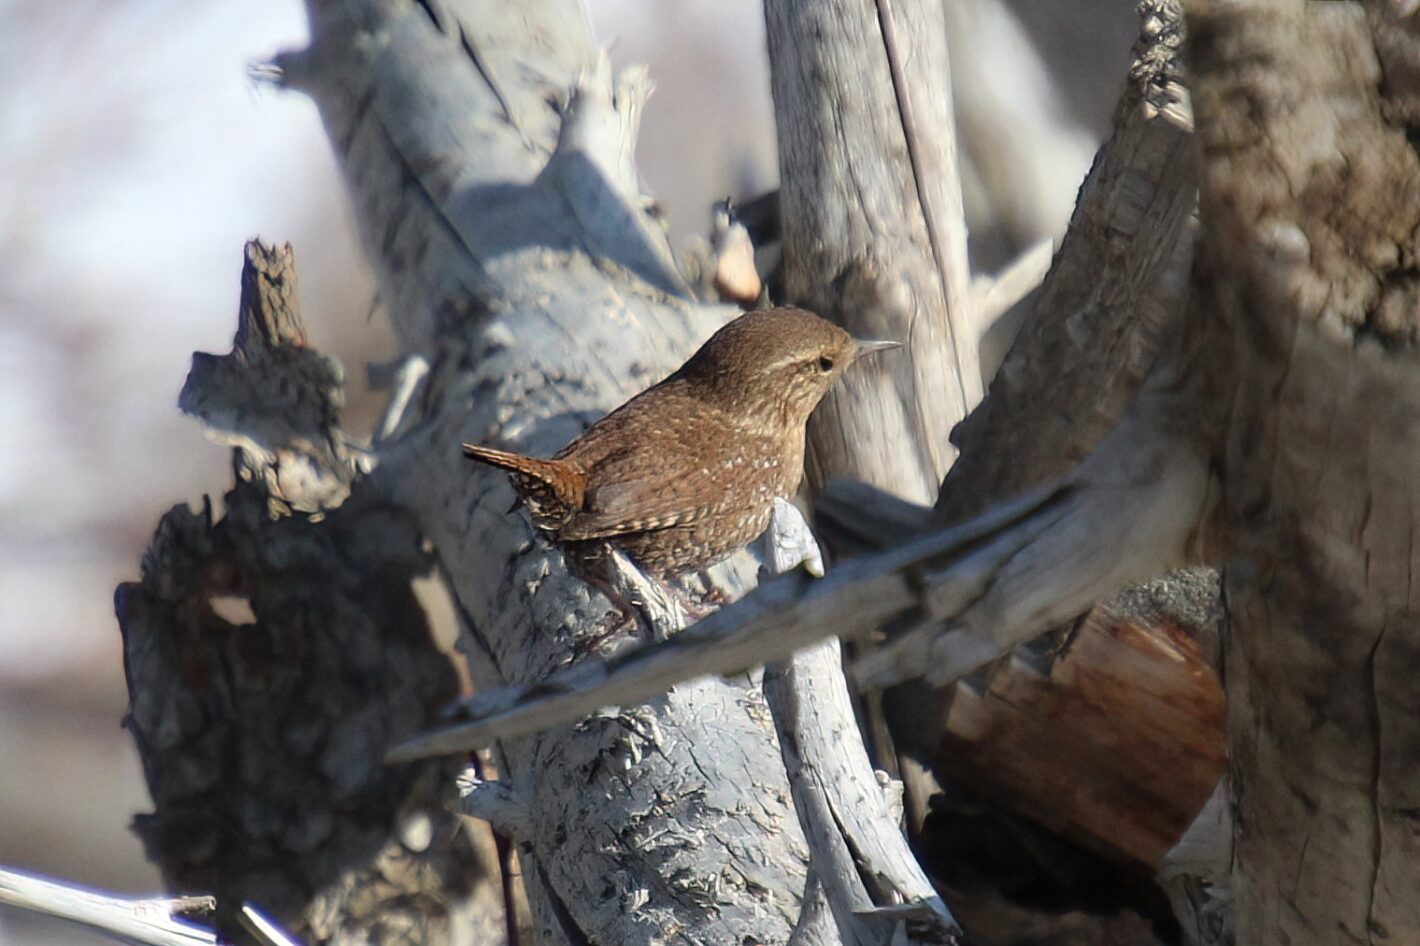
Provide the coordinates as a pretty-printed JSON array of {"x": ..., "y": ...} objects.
[{"x": 137, "y": 157}]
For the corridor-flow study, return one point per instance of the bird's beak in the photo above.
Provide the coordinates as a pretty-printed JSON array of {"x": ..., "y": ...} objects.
[{"x": 868, "y": 346}]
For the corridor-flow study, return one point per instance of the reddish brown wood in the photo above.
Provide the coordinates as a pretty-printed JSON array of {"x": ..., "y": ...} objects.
[{"x": 1117, "y": 748}]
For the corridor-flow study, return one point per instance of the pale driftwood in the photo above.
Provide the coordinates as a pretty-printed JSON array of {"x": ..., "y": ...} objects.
[
  {"x": 1136, "y": 507},
  {"x": 789, "y": 543},
  {"x": 873, "y": 235},
  {"x": 489, "y": 153},
  {"x": 1309, "y": 212},
  {"x": 147, "y": 921},
  {"x": 857, "y": 850},
  {"x": 780, "y": 617}
]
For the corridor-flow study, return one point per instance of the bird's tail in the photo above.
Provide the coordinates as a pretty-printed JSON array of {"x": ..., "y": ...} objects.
[{"x": 565, "y": 481}]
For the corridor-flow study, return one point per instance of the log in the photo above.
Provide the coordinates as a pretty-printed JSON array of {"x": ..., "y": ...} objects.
[
  {"x": 1116, "y": 745},
  {"x": 489, "y": 154}
]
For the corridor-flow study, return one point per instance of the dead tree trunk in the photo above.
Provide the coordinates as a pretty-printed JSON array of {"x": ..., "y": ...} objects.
[
  {"x": 489, "y": 153},
  {"x": 1311, "y": 202}
]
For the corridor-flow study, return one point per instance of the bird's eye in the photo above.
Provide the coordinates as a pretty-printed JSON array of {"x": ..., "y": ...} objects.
[{"x": 825, "y": 364}]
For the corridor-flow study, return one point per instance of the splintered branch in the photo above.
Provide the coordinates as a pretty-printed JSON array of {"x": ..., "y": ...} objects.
[
  {"x": 969, "y": 593},
  {"x": 857, "y": 849}
]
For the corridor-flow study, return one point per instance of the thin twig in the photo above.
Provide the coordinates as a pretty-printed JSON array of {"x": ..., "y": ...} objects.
[
  {"x": 143, "y": 920},
  {"x": 265, "y": 929},
  {"x": 995, "y": 295}
]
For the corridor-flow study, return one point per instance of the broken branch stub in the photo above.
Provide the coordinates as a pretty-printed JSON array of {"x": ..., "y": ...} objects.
[
  {"x": 269, "y": 661},
  {"x": 272, "y": 398}
]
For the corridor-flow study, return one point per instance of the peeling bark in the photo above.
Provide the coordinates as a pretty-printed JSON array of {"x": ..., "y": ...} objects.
[{"x": 269, "y": 661}]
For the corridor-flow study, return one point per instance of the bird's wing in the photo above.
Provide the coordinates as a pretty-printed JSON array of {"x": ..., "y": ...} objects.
[{"x": 660, "y": 475}]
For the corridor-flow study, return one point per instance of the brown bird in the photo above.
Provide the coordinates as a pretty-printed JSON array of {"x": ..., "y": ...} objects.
[{"x": 687, "y": 471}]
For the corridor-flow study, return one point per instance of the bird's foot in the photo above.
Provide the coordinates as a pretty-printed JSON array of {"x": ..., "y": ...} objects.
[
  {"x": 619, "y": 627},
  {"x": 710, "y": 598},
  {"x": 658, "y": 605}
]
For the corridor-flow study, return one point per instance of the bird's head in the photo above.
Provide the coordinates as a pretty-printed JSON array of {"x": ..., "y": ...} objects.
[{"x": 774, "y": 363}]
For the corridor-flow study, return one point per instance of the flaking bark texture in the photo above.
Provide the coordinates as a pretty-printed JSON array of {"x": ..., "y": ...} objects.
[
  {"x": 1095, "y": 328},
  {"x": 488, "y": 151},
  {"x": 270, "y": 661}
]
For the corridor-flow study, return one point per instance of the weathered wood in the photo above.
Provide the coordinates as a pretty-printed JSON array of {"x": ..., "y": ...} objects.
[
  {"x": 519, "y": 256},
  {"x": 274, "y": 398},
  {"x": 1115, "y": 290},
  {"x": 142, "y": 920},
  {"x": 1310, "y": 202},
  {"x": 874, "y": 236},
  {"x": 541, "y": 293},
  {"x": 269, "y": 661},
  {"x": 1116, "y": 744},
  {"x": 857, "y": 851},
  {"x": 1114, "y": 298},
  {"x": 874, "y": 239}
]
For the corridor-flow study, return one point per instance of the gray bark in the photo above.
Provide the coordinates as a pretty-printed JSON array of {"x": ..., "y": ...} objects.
[
  {"x": 859, "y": 855},
  {"x": 513, "y": 243},
  {"x": 872, "y": 883},
  {"x": 873, "y": 231},
  {"x": 1113, "y": 295},
  {"x": 270, "y": 660}
]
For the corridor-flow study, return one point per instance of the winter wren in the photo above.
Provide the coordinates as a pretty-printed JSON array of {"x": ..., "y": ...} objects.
[{"x": 687, "y": 471}]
